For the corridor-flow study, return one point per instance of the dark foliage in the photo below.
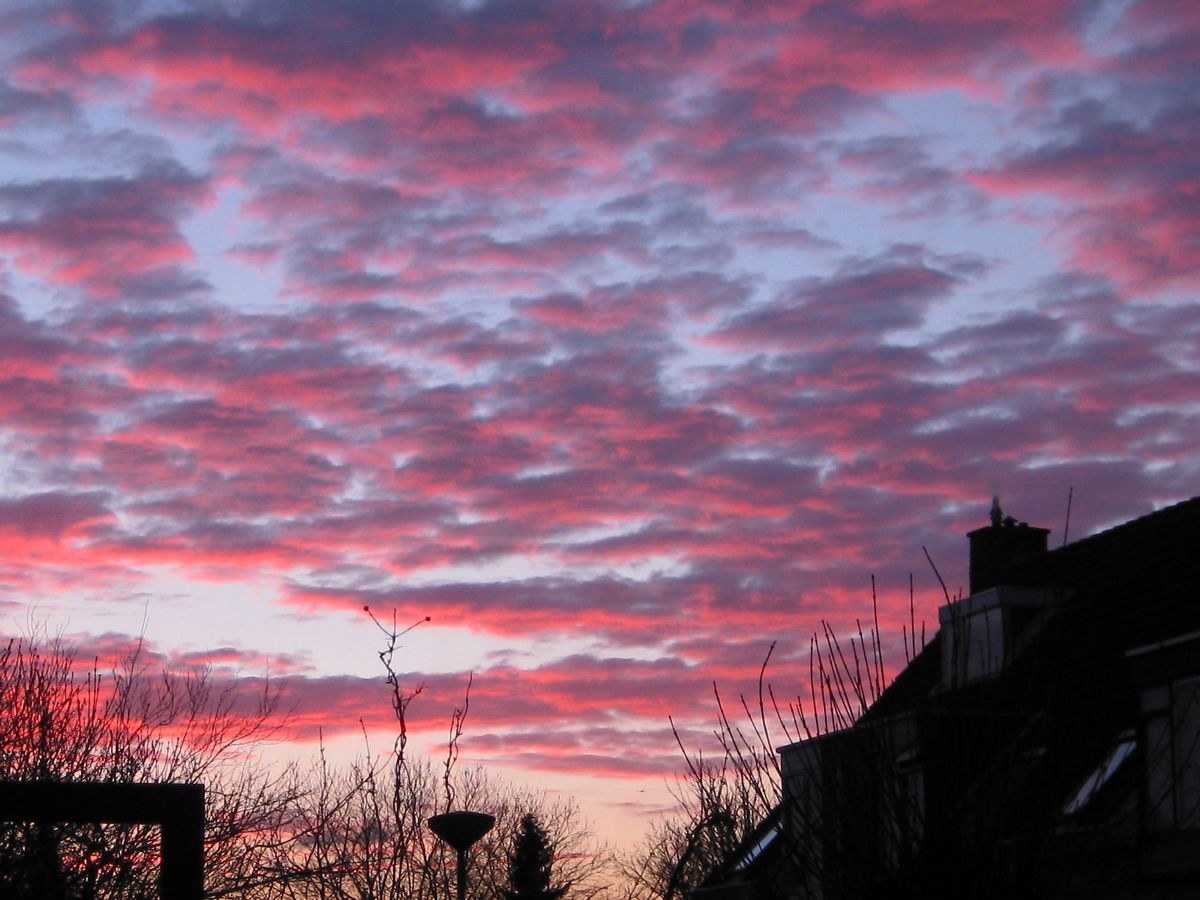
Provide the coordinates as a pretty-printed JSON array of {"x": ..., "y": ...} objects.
[{"x": 530, "y": 864}]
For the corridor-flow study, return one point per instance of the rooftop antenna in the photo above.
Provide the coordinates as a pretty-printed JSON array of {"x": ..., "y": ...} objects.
[{"x": 1067, "y": 524}]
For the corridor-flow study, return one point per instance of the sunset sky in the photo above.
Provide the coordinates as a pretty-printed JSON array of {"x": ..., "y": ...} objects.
[{"x": 619, "y": 338}]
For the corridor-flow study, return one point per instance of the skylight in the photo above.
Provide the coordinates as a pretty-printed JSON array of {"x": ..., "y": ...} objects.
[
  {"x": 759, "y": 846},
  {"x": 1101, "y": 775}
]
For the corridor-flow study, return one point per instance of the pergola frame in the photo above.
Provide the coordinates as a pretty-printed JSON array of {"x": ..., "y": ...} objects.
[{"x": 178, "y": 810}]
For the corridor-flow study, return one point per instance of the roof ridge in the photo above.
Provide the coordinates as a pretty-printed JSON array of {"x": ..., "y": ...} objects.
[{"x": 1158, "y": 515}]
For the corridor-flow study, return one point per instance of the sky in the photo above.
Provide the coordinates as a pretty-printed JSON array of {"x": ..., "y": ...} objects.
[{"x": 620, "y": 339}]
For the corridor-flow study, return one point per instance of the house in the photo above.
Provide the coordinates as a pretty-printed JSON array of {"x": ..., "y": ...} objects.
[{"x": 1044, "y": 743}]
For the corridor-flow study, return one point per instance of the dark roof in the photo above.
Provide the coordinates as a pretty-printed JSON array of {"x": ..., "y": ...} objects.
[
  {"x": 1127, "y": 587},
  {"x": 1073, "y": 688},
  {"x": 917, "y": 680},
  {"x": 1138, "y": 581}
]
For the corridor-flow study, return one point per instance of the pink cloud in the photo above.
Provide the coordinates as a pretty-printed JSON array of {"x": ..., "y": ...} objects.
[
  {"x": 112, "y": 236},
  {"x": 45, "y": 520}
]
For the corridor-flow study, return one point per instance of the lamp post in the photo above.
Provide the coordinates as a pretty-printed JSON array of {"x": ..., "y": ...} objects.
[{"x": 460, "y": 830}]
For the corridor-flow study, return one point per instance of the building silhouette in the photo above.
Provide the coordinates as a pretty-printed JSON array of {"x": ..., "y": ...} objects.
[{"x": 1044, "y": 743}]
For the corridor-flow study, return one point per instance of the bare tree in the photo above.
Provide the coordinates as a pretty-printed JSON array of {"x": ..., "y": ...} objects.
[
  {"x": 64, "y": 720},
  {"x": 362, "y": 832},
  {"x": 357, "y": 831},
  {"x": 724, "y": 797}
]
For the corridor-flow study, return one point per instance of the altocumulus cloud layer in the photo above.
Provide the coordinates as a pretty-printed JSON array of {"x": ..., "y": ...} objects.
[{"x": 631, "y": 334}]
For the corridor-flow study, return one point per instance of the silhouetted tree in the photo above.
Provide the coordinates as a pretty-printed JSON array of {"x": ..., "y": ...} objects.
[
  {"x": 531, "y": 863},
  {"x": 63, "y": 720},
  {"x": 365, "y": 831},
  {"x": 723, "y": 797},
  {"x": 347, "y": 833}
]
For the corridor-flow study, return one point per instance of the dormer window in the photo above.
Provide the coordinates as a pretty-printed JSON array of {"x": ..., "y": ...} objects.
[{"x": 981, "y": 633}]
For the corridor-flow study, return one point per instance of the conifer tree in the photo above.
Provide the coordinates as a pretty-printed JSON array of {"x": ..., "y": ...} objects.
[{"x": 530, "y": 864}]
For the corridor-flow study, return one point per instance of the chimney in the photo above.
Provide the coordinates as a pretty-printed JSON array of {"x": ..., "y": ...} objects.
[{"x": 999, "y": 548}]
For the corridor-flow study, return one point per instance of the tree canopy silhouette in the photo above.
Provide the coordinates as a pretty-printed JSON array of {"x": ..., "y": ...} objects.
[{"x": 351, "y": 832}]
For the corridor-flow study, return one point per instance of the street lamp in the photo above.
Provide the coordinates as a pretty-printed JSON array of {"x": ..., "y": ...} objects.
[{"x": 460, "y": 830}]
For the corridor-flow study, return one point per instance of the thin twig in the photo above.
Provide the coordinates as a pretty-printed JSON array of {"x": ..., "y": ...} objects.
[{"x": 945, "y": 592}]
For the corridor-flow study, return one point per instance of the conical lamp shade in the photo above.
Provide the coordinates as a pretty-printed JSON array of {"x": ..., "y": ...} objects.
[{"x": 461, "y": 829}]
